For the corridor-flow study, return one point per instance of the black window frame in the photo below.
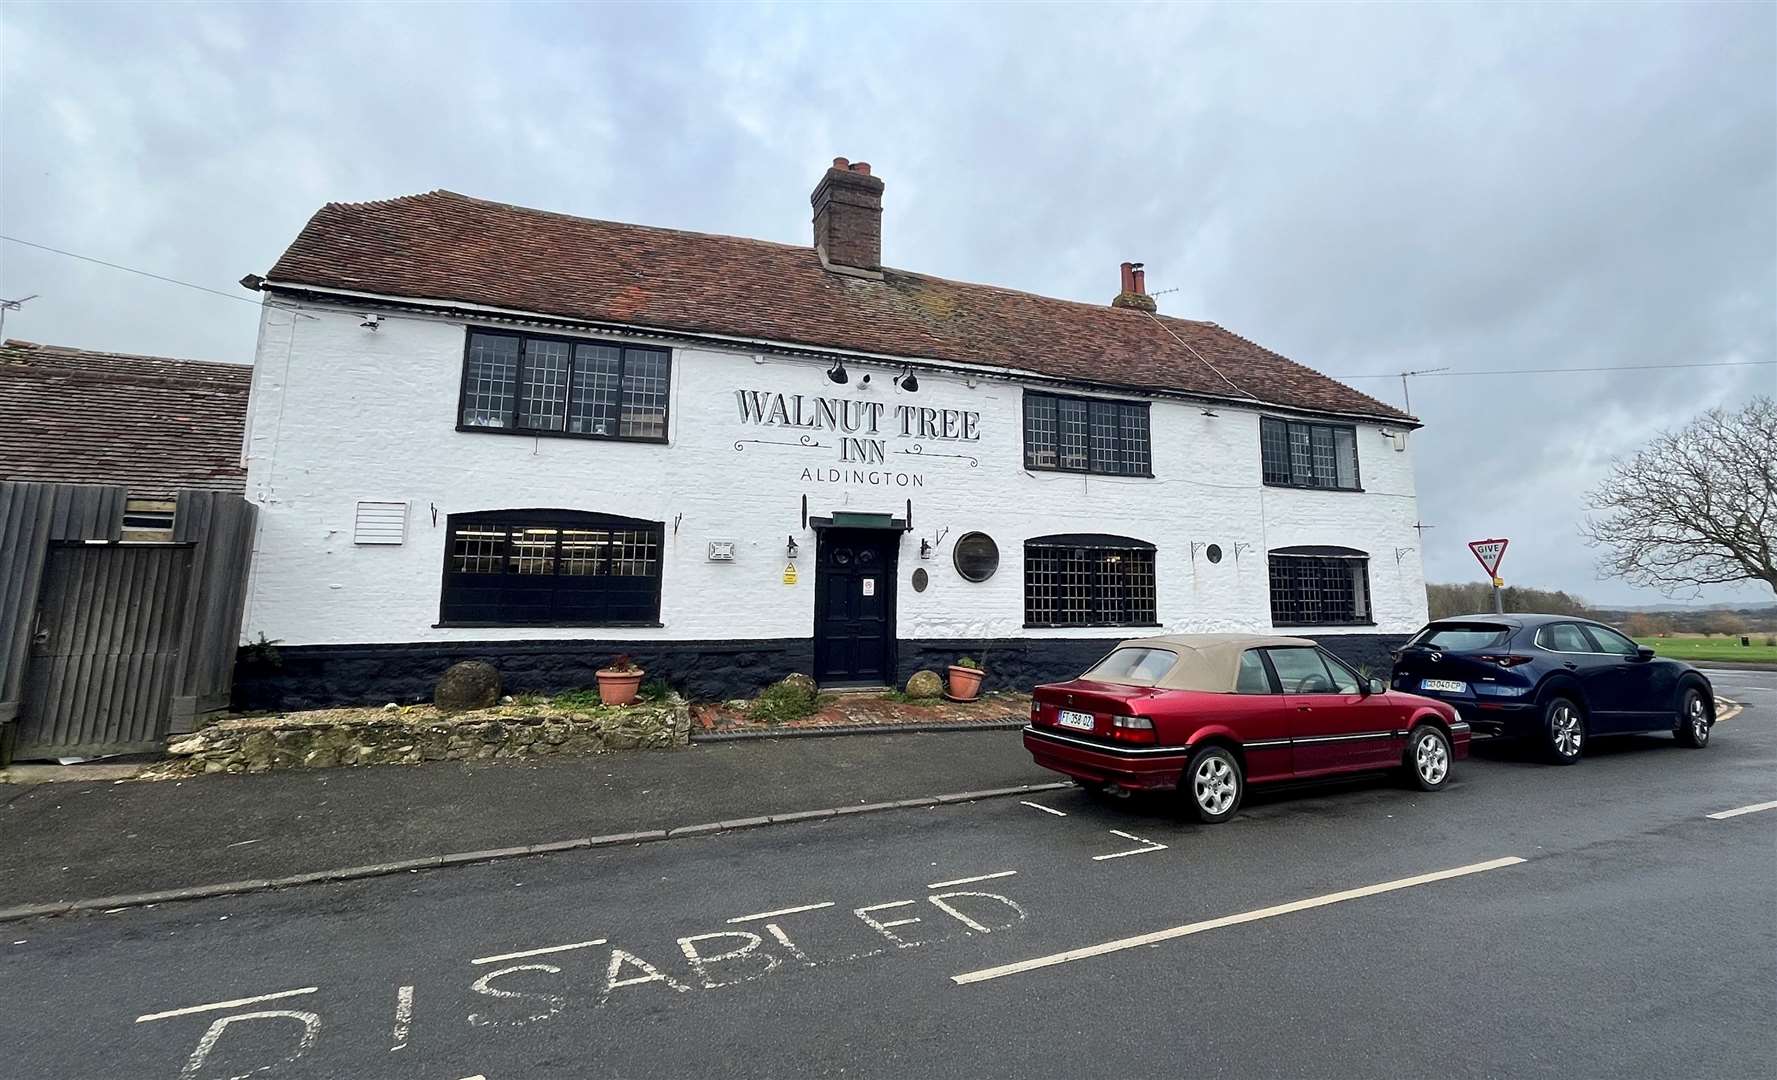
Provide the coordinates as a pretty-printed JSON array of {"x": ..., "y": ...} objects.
[
  {"x": 624, "y": 348},
  {"x": 1286, "y": 476},
  {"x": 560, "y": 520},
  {"x": 1318, "y": 560},
  {"x": 1099, "y": 600},
  {"x": 1125, "y": 409}
]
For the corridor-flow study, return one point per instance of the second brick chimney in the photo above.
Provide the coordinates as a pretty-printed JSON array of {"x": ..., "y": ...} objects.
[
  {"x": 1134, "y": 293},
  {"x": 848, "y": 219}
]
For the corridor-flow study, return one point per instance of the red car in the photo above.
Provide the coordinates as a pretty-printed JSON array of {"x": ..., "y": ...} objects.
[{"x": 1210, "y": 713}]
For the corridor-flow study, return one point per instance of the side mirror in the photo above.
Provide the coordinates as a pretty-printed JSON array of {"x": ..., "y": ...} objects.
[
  {"x": 1374, "y": 686},
  {"x": 1643, "y": 654}
]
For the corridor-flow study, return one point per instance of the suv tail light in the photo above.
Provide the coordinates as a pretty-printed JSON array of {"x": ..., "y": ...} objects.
[
  {"x": 1132, "y": 729},
  {"x": 1505, "y": 660}
]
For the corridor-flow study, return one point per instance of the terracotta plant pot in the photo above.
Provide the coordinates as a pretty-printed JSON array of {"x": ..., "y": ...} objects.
[
  {"x": 965, "y": 682},
  {"x": 619, "y": 687}
]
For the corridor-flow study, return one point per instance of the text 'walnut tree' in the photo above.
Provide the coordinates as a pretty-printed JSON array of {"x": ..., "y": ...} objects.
[{"x": 1695, "y": 507}]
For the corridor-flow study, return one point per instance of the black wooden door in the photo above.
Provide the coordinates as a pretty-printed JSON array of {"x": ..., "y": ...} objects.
[{"x": 854, "y": 595}]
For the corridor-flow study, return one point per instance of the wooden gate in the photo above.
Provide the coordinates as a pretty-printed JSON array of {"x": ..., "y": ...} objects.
[{"x": 104, "y": 649}]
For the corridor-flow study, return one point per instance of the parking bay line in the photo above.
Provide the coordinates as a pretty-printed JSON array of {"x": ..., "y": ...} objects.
[
  {"x": 1150, "y": 846},
  {"x": 546, "y": 950},
  {"x": 1044, "y": 809},
  {"x": 969, "y": 880},
  {"x": 985, "y": 974},
  {"x": 215, "y": 1005},
  {"x": 1738, "y": 810},
  {"x": 781, "y": 911}
]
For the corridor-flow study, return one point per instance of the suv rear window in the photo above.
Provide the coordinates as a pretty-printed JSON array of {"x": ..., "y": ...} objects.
[
  {"x": 1133, "y": 667},
  {"x": 1461, "y": 637}
]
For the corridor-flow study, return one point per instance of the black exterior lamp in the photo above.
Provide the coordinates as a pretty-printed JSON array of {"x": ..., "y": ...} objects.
[
  {"x": 837, "y": 372},
  {"x": 907, "y": 382}
]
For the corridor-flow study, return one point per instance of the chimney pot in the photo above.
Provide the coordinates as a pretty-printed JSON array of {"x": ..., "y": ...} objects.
[
  {"x": 1141, "y": 282},
  {"x": 1128, "y": 283},
  {"x": 861, "y": 167},
  {"x": 841, "y": 163}
]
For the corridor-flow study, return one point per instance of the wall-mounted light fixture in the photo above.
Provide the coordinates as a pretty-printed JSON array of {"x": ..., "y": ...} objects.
[
  {"x": 907, "y": 382},
  {"x": 925, "y": 549},
  {"x": 837, "y": 372},
  {"x": 371, "y": 322},
  {"x": 1210, "y": 412},
  {"x": 790, "y": 548}
]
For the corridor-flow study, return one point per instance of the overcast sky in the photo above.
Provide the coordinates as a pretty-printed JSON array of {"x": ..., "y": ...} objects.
[{"x": 1362, "y": 189}]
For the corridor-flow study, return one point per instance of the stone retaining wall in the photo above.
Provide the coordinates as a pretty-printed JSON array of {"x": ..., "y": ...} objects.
[{"x": 261, "y": 744}]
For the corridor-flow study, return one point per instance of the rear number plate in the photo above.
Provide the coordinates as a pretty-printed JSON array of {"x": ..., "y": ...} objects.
[
  {"x": 1078, "y": 720},
  {"x": 1449, "y": 686}
]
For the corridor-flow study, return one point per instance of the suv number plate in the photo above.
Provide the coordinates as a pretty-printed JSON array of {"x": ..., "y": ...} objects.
[
  {"x": 1448, "y": 686},
  {"x": 1080, "y": 721}
]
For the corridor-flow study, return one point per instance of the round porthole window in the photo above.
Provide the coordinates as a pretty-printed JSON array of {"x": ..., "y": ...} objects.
[
  {"x": 1214, "y": 551},
  {"x": 977, "y": 556},
  {"x": 921, "y": 579}
]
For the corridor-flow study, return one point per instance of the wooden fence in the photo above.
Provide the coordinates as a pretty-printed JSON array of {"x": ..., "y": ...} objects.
[{"x": 107, "y": 647}]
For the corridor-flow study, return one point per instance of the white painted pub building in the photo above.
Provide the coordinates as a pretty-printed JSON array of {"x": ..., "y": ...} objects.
[{"x": 484, "y": 431}]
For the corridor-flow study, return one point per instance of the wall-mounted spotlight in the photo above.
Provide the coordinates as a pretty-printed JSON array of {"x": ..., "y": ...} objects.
[
  {"x": 907, "y": 382},
  {"x": 925, "y": 549},
  {"x": 837, "y": 372},
  {"x": 864, "y": 380},
  {"x": 371, "y": 322},
  {"x": 1210, "y": 412},
  {"x": 790, "y": 548}
]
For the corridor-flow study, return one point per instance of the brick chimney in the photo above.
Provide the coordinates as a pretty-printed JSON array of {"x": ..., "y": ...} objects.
[
  {"x": 848, "y": 220},
  {"x": 1135, "y": 289}
]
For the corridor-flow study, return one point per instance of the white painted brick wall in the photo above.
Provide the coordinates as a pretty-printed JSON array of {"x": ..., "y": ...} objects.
[{"x": 340, "y": 413}]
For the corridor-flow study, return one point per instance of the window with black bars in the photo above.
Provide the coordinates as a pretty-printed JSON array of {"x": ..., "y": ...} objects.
[
  {"x": 1320, "y": 590},
  {"x": 1088, "y": 584},
  {"x": 529, "y": 384},
  {"x": 1089, "y": 435},
  {"x": 1296, "y": 453},
  {"x": 517, "y": 568}
]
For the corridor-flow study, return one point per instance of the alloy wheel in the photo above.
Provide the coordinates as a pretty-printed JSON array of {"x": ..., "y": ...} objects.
[
  {"x": 1431, "y": 759},
  {"x": 1566, "y": 731},
  {"x": 1214, "y": 786},
  {"x": 1697, "y": 716}
]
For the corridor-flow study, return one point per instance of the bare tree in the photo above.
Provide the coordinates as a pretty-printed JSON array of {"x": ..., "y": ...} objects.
[{"x": 1695, "y": 507}]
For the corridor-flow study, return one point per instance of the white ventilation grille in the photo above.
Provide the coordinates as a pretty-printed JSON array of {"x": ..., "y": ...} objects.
[{"x": 380, "y": 522}]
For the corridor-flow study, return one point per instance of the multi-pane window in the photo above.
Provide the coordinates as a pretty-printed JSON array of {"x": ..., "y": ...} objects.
[
  {"x": 535, "y": 385},
  {"x": 1088, "y": 580},
  {"x": 550, "y": 567},
  {"x": 1087, "y": 435},
  {"x": 1295, "y": 453},
  {"x": 1319, "y": 586}
]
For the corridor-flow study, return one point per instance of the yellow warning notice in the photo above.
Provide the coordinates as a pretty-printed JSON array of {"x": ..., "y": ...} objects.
[{"x": 789, "y": 573}]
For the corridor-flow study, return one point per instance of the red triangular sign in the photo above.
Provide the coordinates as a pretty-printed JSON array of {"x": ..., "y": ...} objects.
[{"x": 1489, "y": 552}]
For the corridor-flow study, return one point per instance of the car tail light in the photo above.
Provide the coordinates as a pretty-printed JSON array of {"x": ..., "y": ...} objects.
[
  {"x": 1505, "y": 660},
  {"x": 1132, "y": 729}
]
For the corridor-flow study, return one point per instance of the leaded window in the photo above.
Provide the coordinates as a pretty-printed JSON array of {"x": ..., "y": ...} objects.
[
  {"x": 1295, "y": 453},
  {"x": 1320, "y": 586},
  {"x": 1088, "y": 580},
  {"x": 550, "y": 567},
  {"x": 529, "y": 384},
  {"x": 1089, "y": 435}
]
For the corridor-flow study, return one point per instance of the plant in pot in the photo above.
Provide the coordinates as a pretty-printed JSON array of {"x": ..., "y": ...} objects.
[
  {"x": 619, "y": 683},
  {"x": 965, "y": 679}
]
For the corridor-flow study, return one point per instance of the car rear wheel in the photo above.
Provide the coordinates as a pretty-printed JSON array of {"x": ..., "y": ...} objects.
[
  {"x": 1693, "y": 719},
  {"x": 1428, "y": 758},
  {"x": 1564, "y": 731},
  {"x": 1214, "y": 784}
]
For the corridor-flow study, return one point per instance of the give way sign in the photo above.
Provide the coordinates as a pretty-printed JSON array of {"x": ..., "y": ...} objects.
[{"x": 1489, "y": 552}]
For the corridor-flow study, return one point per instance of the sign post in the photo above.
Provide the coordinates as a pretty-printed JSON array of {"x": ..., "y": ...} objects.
[{"x": 1488, "y": 553}]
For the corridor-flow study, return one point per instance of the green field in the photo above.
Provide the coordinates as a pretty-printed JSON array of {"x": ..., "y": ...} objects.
[{"x": 1715, "y": 648}]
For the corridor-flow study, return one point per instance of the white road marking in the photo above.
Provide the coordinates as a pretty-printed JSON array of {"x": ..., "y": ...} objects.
[
  {"x": 403, "y": 1017},
  {"x": 1737, "y": 811},
  {"x": 970, "y": 880},
  {"x": 1044, "y": 809},
  {"x": 538, "y": 952},
  {"x": 1157, "y": 936},
  {"x": 1151, "y": 846},
  {"x": 781, "y": 911},
  {"x": 215, "y": 1005}
]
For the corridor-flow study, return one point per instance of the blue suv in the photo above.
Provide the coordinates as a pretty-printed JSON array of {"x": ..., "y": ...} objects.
[{"x": 1558, "y": 679}]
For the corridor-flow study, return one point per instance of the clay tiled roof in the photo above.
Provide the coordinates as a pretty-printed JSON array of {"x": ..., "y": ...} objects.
[
  {"x": 448, "y": 247},
  {"x": 151, "y": 424}
]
